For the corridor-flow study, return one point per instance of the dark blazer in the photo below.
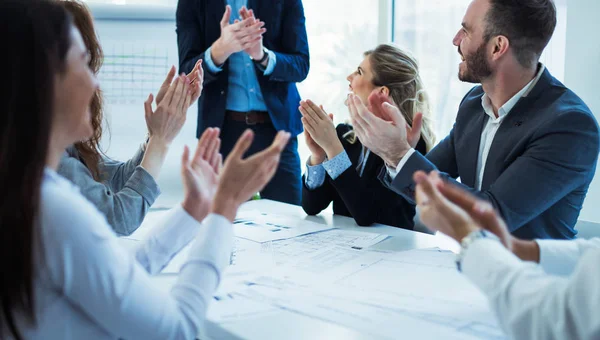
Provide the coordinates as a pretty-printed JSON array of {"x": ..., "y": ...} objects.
[
  {"x": 364, "y": 198},
  {"x": 540, "y": 164},
  {"x": 198, "y": 27}
]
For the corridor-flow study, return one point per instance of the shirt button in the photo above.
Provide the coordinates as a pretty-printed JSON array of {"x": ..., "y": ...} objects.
[
  {"x": 222, "y": 92},
  {"x": 247, "y": 64},
  {"x": 252, "y": 90}
]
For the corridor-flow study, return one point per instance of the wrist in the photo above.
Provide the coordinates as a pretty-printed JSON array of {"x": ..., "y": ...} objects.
[
  {"x": 259, "y": 55},
  {"x": 316, "y": 159},
  {"x": 526, "y": 250},
  {"x": 194, "y": 209},
  {"x": 334, "y": 149},
  {"x": 158, "y": 142},
  {"x": 464, "y": 230},
  {"x": 224, "y": 206},
  {"x": 394, "y": 159},
  {"x": 218, "y": 52}
]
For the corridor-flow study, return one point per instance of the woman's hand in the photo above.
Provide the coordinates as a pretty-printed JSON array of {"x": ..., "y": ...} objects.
[
  {"x": 319, "y": 126},
  {"x": 317, "y": 154},
  {"x": 166, "y": 121},
  {"x": 241, "y": 178},
  {"x": 196, "y": 78},
  {"x": 201, "y": 174}
]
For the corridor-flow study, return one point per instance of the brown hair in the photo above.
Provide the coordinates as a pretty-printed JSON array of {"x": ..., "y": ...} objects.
[
  {"x": 39, "y": 35},
  {"x": 528, "y": 25},
  {"x": 89, "y": 150},
  {"x": 399, "y": 72}
]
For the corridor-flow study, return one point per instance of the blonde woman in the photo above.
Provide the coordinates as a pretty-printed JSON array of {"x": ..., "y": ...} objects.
[{"x": 340, "y": 168}]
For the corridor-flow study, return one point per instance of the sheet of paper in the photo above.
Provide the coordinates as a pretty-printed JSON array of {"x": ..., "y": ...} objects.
[
  {"x": 412, "y": 294},
  {"x": 383, "y": 319},
  {"x": 262, "y": 227}
]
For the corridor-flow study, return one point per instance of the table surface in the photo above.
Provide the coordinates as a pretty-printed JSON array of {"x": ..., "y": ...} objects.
[{"x": 289, "y": 325}]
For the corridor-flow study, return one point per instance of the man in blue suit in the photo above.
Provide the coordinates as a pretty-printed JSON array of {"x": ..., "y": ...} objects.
[
  {"x": 521, "y": 140},
  {"x": 250, "y": 71}
]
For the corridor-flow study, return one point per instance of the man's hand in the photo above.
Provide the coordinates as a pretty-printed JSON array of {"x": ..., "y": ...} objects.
[
  {"x": 387, "y": 135},
  {"x": 456, "y": 212},
  {"x": 236, "y": 37},
  {"x": 437, "y": 212},
  {"x": 256, "y": 51},
  {"x": 413, "y": 132}
]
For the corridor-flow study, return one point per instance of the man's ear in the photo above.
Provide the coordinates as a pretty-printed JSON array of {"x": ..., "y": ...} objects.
[{"x": 500, "y": 47}]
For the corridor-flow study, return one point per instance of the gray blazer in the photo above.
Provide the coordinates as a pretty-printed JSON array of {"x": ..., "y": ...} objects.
[
  {"x": 125, "y": 191},
  {"x": 540, "y": 165}
]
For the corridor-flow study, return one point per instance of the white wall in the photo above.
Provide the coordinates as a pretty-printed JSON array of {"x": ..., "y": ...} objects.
[{"x": 582, "y": 75}]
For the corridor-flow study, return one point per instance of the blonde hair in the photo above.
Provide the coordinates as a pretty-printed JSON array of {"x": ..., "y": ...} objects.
[{"x": 399, "y": 72}]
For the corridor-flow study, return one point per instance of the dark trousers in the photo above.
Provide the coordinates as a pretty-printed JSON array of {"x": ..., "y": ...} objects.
[{"x": 286, "y": 185}]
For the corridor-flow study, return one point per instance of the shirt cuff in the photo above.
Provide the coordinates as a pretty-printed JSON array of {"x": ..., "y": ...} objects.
[
  {"x": 394, "y": 172},
  {"x": 214, "y": 243},
  {"x": 271, "y": 63},
  {"x": 337, "y": 165},
  {"x": 485, "y": 260},
  {"x": 210, "y": 63},
  {"x": 315, "y": 176},
  {"x": 558, "y": 257},
  {"x": 144, "y": 184}
]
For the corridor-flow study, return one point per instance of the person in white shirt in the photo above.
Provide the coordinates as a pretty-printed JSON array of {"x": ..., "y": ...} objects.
[
  {"x": 541, "y": 289},
  {"x": 63, "y": 273},
  {"x": 521, "y": 140}
]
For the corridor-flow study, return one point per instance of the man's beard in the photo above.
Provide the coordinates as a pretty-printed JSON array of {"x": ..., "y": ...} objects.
[{"x": 477, "y": 66}]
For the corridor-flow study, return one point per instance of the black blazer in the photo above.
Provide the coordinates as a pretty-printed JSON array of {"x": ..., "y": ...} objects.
[
  {"x": 364, "y": 198},
  {"x": 198, "y": 27}
]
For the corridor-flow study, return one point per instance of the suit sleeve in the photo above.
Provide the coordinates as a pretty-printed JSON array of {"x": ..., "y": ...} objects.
[
  {"x": 293, "y": 58},
  {"x": 191, "y": 43},
  {"x": 316, "y": 200},
  {"x": 560, "y": 158}
]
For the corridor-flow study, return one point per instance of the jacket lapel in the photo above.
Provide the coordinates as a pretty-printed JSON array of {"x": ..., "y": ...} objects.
[
  {"x": 467, "y": 145},
  {"x": 514, "y": 125}
]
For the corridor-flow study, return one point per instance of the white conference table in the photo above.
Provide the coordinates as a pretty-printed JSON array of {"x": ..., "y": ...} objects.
[{"x": 288, "y": 325}]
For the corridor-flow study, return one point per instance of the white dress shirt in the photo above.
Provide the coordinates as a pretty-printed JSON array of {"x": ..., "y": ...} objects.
[
  {"x": 88, "y": 287},
  {"x": 489, "y": 131},
  {"x": 558, "y": 299}
]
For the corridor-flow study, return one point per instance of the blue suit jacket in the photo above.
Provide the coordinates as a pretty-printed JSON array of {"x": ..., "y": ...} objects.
[
  {"x": 198, "y": 27},
  {"x": 540, "y": 164}
]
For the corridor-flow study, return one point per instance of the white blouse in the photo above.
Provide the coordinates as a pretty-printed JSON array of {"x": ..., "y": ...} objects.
[{"x": 87, "y": 286}]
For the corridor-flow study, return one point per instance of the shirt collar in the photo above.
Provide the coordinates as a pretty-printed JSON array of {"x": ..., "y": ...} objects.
[{"x": 505, "y": 109}]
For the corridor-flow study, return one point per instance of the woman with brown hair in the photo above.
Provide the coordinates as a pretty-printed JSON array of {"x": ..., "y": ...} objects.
[
  {"x": 123, "y": 191},
  {"x": 340, "y": 168}
]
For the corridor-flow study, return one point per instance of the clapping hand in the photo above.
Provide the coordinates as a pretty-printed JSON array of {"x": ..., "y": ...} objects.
[
  {"x": 255, "y": 50},
  {"x": 201, "y": 174},
  {"x": 241, "y": 177},
  {"x": 386, "y": 134},
  {"x": 236, "y": 37},
  {"x": 319, "y": 128}
]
